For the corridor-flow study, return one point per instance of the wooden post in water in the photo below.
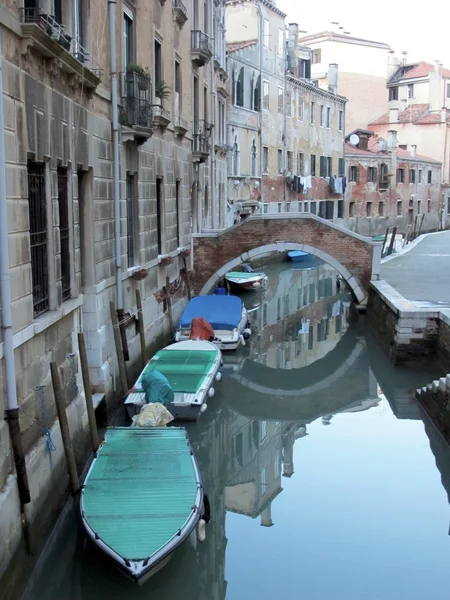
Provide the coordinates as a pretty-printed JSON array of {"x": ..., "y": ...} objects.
[
  {"x": 384, "y": 243},
  {"x": 119, "y": 351},
  {"x": 140, "y": 317},
  {"x": 391, "y": 244},
  {"x": 169, "y": 304},
  {"x": 88, "y": 393},
  {"x": 188, "y": 285},
  {"x": 64, "y": 425}
]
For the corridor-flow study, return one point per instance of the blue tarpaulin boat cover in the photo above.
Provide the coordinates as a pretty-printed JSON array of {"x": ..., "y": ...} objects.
[
  {"x": 156, "y": 387},
  {"x": 222, "y": 312}
]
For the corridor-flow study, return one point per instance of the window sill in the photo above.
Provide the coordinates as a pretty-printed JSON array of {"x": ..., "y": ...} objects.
[{"x": 43, "y": 322}]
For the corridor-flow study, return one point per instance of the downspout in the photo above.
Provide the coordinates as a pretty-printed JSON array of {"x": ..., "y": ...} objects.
[
  {"x": 213, "y": 119},
  {"x": 12, "y": 407},
  {"x": 261, "y": 61},
  {"x": 115, "y": 140},
  {"x": 284, "y": 114}
]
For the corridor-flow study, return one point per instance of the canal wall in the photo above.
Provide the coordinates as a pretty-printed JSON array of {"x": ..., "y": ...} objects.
[{"x": 434, "y": 399}]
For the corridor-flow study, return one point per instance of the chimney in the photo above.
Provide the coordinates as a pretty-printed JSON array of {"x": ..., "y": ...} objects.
[
  {"x": 292, "y": 45},
  {"x": 266, "y": 516},
  {"x": 392, "y": 139},
  {"x": 393, "y": 115},
  {"x": 405, "y": 57},
  {"x": 413, "y": 151},
  {"x": 435, "y": 88},
  {"x": 333, "y": 78},
  {"x": 392, "y": 64}
]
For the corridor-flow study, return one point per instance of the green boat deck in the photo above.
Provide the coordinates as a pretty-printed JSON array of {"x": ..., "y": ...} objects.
[
  {"x": 185, "y": 370},
  {"x": 140, "y": 490},
  {"x": 242, "y": 275}
]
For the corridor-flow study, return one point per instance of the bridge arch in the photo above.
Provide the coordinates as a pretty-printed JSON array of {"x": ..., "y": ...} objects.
[{"x": 283, "y": 247}]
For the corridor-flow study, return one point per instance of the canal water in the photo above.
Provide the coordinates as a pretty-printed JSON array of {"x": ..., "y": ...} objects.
[{"x": 325, "y": 479}]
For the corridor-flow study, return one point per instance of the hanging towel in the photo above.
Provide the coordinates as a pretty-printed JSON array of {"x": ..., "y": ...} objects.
[
  {"x": 307, "y": 183},
  {"x": 336, "y": 311},
  {"x": 304, "y": 329},
  {"x": 344, "y": 184}
]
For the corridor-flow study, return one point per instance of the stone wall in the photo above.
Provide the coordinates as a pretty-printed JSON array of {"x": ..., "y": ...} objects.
[
  {"x": 444, "y": 339},
  {"x": 434, "y": 398}
]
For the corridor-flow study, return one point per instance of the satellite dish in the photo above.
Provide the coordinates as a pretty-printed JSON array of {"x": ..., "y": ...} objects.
[{"x": 354, "y": 139}]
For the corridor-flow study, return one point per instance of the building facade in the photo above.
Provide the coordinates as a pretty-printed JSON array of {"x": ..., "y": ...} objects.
[
  {"x": 362, "y": 72},
  {"x": 389, "y": 185},
  {"x": 70, "y": 252},
  {"x": 286, "y": 135}
]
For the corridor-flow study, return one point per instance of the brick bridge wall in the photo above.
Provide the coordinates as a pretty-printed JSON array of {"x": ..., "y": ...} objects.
[{"x": 355, "y": 257}]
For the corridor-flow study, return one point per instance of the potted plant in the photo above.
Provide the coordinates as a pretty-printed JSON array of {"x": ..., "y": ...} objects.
[
  {"x": 144, "y": 79},
  {"x": 162, "y": 90}
]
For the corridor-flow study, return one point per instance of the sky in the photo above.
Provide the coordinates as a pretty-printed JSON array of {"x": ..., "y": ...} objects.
[{"x": 404, "y": 27}]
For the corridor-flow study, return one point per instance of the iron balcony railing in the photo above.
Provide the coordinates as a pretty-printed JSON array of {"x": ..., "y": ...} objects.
[
  {"x": 200, "y": 139},
  {"x": 56, "y": 31},
  {"x": 201, "y": 127},
  {"x": 178, "y": 5},
  {"x": 200, "y": 42},
  {"x": 136, "y": 99}
]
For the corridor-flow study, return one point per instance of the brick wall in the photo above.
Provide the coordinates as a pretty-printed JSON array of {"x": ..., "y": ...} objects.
[{"x": 211, "y": 253}]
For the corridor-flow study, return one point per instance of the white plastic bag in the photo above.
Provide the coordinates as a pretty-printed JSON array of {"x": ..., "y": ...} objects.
[{"x": 152, "y": 415}]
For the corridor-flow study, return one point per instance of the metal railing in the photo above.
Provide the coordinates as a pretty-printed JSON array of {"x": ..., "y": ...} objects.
[
  {"x": 180, "y": 123},
  {"x": 136, "y": 99},
  {"x": 200, "y": 42},
  {"x": 56, "y": 31},
  {"x": 201, "y": 127},
  {"x": 181, "y": 7}
]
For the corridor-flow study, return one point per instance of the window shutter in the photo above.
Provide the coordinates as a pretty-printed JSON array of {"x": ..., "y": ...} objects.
[
  {"x": 375, "y": 174},
  {"x": 357, "y": 173},
  {"x": 322, "y": 166}
]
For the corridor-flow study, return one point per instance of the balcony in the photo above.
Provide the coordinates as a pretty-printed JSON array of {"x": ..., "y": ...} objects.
[
  {"x": 65, "y": 53},
  {"x": 180, "y": 126},
  {"x": 201, "y": 145},
  {"x": 201, "y": 49},
  {"x": 180, "y": 13},
  {"x": 161, "y": 116},
  {"x": 136, "y": 113}
]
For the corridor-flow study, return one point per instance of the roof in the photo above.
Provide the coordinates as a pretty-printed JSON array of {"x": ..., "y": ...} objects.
[
  {"x": 419, "y": 114},
  {"x": 235, "y": 46},
  {"x": 342, "y": 38},
  {"x": 416, "y": 71},
  {"x": 373, "y": 150}
]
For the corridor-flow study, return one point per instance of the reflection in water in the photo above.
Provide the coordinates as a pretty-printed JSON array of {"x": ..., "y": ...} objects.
[{"x": 318, "y": 469}]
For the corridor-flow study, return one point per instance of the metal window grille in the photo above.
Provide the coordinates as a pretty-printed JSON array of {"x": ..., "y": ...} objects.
[
  {"x": 64, "y": 236},
  {"x": 37, "y": 207},
  {"x": 130, "y": 220}
]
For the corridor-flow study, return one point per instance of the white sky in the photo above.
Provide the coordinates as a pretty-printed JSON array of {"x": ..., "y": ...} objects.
[{"x": 403, "y": 26}]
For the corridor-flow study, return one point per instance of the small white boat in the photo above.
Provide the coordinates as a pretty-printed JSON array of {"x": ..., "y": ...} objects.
[
  {"x": 246, "y": 281},
  {"x": 227, "y": 316},
  {"x": 190, "y": 367}
]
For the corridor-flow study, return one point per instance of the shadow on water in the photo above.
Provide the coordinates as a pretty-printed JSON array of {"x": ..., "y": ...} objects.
[{"x": 319, "y": 466}]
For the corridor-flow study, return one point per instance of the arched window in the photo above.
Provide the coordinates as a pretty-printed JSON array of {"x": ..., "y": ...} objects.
[
  {"x": 235, "y": 158},
  {"x": 253, "y": 159},
  {"x": 240, "y": 88},
  {"x": 256, "y": 96},
  {"x": 233, "y": 85}
]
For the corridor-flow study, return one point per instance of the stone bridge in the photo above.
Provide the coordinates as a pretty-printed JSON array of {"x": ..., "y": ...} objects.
[{"x": 355, "y": 257}]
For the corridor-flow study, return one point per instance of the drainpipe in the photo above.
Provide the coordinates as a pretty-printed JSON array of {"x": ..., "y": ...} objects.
[
  {"x": 115, "y": 140},
  {"x": 213, "y": 119},
  {"x": 261, "y": 62},
  {"x": 12, "y": 407},
  {"x": 284, "y": 113}
]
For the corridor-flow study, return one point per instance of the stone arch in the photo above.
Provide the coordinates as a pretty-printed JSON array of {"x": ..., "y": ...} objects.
[{"x": 282, "y": 247}]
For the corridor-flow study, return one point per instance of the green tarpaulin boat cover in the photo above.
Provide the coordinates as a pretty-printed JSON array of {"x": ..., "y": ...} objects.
[
  {"x": 243, "y": 276},
  {"x": 141, "y": 489},
  {"x": 185, "y": 370}
]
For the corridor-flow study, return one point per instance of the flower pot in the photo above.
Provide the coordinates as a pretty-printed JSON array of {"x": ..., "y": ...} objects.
[
  {"x": 139, "y": 275},
  {"x": 184, "y": 253},
  {"x": 167, "y": 260}
]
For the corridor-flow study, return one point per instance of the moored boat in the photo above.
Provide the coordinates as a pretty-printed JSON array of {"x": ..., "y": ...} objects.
[
  {"x": 227, "y": 316},
  {"x": 298, "y": 255},
  {"x": 190, "y": 367},
  {"x": 246, "y": 281},
  {"x": 143, "y": 497}
]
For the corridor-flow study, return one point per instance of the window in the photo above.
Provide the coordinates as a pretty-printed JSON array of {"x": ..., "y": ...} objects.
[
  {"x": 340, "y": 214},
  {"x": 127, "y": 40},
  {"x": 312, "y": 208},
  {"x": 384, "y": 177},
  {"x": 371, "y": 174},
  {"x": 410, "y": 90},
  {"x": 64, "y": 237},
  {"x": 266, "y": 95},
  {"x": 419, "y": 207},
  {"x": 265, "y": 159},
  {"x": 429, "y": 176},
  {"x": 288, "y": 104},
  {"x": 257, "y": 95},
  {"x": 448, "y": 90},
  {"x": 381, "y": 209},
  {"x": 205, "y": 103},
  {"x": 205, "y": 17},
  {"x": 313, "y": 165},
  {"x": 262, "y": 430},
  {"x": 221, "y": 122},
  {"x": 393, "y": 93},
  {"x": 328, "y": 121},
  {"x": 280, "y": 161},
  {"x": 313, "y": 112},
  {"x": 37, "y": 208},
  {"x": 300, "y": 163},
  {"x": 280, "y": 42},
  {"x": 130, "y": 218},
  {"x": 400, "y": 175},
  {"x": 322, "y": 115},
  {"x": 177, "y": 210},
  {"x": 253, "y": 159},
  {"x": 300, "y": 107},
  {"x": 368, "y": 209},
  {"x": 351, "y": 209},
  {"x": 341, "y": 167},
  {"x": 266, "y": 33},
  {"x": 240, "y": 88},
  {"x": 280, "y": 209},
  {"x": 159, "y": 215},
  {"x": 235, "y": 158},
  {"x": 158, "y": 64},
  {"x": 323, "y": 166},
  {"x": 341, "y": 120},
  {"x": 354, "y": 174},
  {"x": 448, "y": 205},
  {"x": 429, "y": 206},
  {"x": 412, "y": 176},
  {"x": 420, "y": 175},
  {"x": 177, "y": 88},
  {"x": 399, "y": 209},
  {"x": 329, "y": 166},
  {"x": 262, "y": 482},
  {"x": 290, "y": 161},
  {"x": 316, "y": 56},
  {"x": 280, "y": 100}
]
